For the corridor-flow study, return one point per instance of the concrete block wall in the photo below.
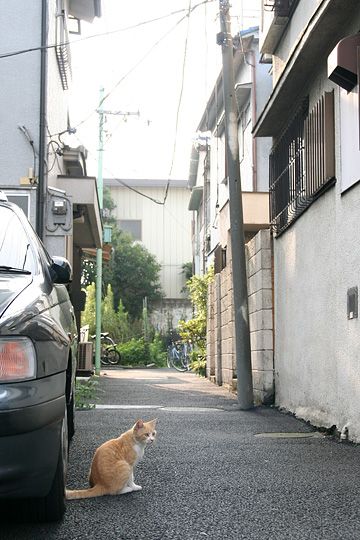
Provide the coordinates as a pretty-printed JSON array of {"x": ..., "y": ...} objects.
[
  {"x": 259, "y": 270},
  {"x": 221, "y": 325}
]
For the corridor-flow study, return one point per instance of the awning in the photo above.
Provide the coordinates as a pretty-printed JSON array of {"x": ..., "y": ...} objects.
[{"x": 87, "y": 226}]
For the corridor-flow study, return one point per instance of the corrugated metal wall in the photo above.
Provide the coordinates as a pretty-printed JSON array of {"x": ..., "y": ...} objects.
[{"x": 166, "y": 229}]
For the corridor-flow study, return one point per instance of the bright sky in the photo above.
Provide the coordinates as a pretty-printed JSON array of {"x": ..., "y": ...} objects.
[{"x": 142, "y": 147}]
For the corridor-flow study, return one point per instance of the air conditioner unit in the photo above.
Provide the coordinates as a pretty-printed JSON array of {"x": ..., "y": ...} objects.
[{"x": 85, "y": 357}]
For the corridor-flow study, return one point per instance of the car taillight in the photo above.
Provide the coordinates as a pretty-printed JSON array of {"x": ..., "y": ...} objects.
[{"x": 17, "y": 359}]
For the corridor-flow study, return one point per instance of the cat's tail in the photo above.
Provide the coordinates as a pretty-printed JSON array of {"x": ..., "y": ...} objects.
[{"x": 95, "y": 491}]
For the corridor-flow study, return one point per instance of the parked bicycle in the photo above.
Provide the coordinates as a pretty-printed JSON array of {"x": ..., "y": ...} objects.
[
  {"x": 109, "y": 355},
  {"x": 179, "y": 355}
]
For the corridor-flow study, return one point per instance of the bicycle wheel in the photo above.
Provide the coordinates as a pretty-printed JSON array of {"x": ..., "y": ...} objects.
[
  {"x": 103, "y": 356},
  {"x": 112, "y": 356},
  {"x": 104, "y": 359},
  {"x": 177, "y": 360},
  {"x": 106, "y": 344}
]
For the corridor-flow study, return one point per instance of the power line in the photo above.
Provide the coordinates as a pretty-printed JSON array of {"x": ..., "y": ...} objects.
[
  {"x": 113, "y": 177},
  {"x": 189, "y": 11},
  {"x": 125, "y": 29},
  {"x": 179, "y": 102}
]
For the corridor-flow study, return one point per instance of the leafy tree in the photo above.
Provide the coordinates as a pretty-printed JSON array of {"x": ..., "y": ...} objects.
[
  {"x": 133, "y": 273},
  {"x": 187, "y": 271},
  {"x": 115, "y": 322},
  {"x": 109, "y": 317},
  {"x": 108, "y": 206}
]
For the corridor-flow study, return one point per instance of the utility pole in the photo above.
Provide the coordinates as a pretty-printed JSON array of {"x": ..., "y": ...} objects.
[
  {"x": 241, "y": 308},
  {"x": 99, "y": 252}
]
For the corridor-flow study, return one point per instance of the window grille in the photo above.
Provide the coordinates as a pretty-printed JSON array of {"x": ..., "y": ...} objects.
[{"x": 302, "y": 162}]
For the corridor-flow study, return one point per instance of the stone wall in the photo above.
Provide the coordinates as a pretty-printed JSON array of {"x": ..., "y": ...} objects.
[
  {"x": 221, "y": 361},
  {"x": 166, "y": 313}
]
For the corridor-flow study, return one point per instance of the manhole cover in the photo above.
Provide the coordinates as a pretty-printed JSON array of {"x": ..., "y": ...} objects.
[{"x": 291, "y": 435}]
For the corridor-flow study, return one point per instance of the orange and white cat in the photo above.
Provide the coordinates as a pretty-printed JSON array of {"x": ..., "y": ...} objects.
[{"x": 112, "y": 468}]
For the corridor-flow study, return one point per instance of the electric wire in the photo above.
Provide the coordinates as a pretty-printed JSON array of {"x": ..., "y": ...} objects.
[
  {"x": 125, "y": 29},
  {"x": 179, "y": 102},
  {"x": 56, "y": 156},
  {"x": 189, "y": 11},
  {"x": 122, "y": 182},
  {"x": 149, "y": 51}
]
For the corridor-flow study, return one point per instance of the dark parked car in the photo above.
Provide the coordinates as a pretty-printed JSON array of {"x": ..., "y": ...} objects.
[{"x": 38, "y": 345}]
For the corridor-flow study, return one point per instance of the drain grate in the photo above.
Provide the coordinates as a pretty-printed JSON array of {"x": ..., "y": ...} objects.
[{"x": 290, "y": 435}]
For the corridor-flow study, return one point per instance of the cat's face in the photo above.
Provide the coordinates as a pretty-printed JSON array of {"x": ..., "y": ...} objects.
[{"x": 145, "y": 432}]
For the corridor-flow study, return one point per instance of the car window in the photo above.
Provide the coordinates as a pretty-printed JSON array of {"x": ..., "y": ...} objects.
[{"x": 15, "y": 246}]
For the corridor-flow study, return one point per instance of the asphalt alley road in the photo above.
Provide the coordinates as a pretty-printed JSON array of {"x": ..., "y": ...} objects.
[{"x": 215, "y": 472}]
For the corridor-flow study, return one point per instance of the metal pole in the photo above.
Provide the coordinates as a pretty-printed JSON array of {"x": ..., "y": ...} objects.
[
  {"x": 42, "y": 175},
  {"x": 99, "y": 251},
  {"x": 241, "y": 309}
]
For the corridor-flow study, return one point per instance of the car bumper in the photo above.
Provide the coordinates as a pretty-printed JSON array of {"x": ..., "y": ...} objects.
[{"x": 29, "y": 448}]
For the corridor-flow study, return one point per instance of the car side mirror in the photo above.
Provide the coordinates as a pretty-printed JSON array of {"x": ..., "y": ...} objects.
[{"x": 60, "y": 270}]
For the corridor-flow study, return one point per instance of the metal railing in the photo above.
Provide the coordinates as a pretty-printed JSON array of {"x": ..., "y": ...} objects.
[{"x": 302, "y": 162}]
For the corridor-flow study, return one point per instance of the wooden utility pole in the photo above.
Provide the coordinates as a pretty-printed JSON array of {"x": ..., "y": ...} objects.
[{"x": 241, "y": 308}]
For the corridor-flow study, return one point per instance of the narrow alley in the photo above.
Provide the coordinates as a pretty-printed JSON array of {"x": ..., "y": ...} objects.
[{"x": 214, "y": 472}]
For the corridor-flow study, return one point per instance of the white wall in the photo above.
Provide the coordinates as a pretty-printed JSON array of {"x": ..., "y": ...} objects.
[
  {"x": 305, "y": 311},
  {"x": 20, "y": 23},
  {"x": 317, "y": 349}
]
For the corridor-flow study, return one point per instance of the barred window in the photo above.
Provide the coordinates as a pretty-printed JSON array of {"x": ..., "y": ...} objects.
[{"x": 302, "y": 162}]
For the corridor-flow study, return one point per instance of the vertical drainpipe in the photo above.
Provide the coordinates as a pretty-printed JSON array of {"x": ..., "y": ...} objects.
[
  {"x": 253, "y": 117},
  {"x": 42, "y": 180}
]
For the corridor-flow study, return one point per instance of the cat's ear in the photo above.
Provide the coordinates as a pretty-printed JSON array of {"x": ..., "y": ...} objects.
[
  {"x": 153, "y": 422},
  {"x": 139, "y": 424}
]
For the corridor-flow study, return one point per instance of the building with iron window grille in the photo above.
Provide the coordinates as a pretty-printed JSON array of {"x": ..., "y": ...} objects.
[{"x": 313, "y": 117}]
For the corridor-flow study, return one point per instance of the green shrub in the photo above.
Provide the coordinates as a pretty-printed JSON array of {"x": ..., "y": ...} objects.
[
  {"x": 157, "y": 350},
  {"x": 85, "y": 393},
  {"x": 134, "y": 352},
  {"x": 194, "y": 330}
]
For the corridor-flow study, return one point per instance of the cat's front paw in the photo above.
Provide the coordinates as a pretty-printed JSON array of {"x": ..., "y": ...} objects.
[{"x": 136, "y": 487}]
